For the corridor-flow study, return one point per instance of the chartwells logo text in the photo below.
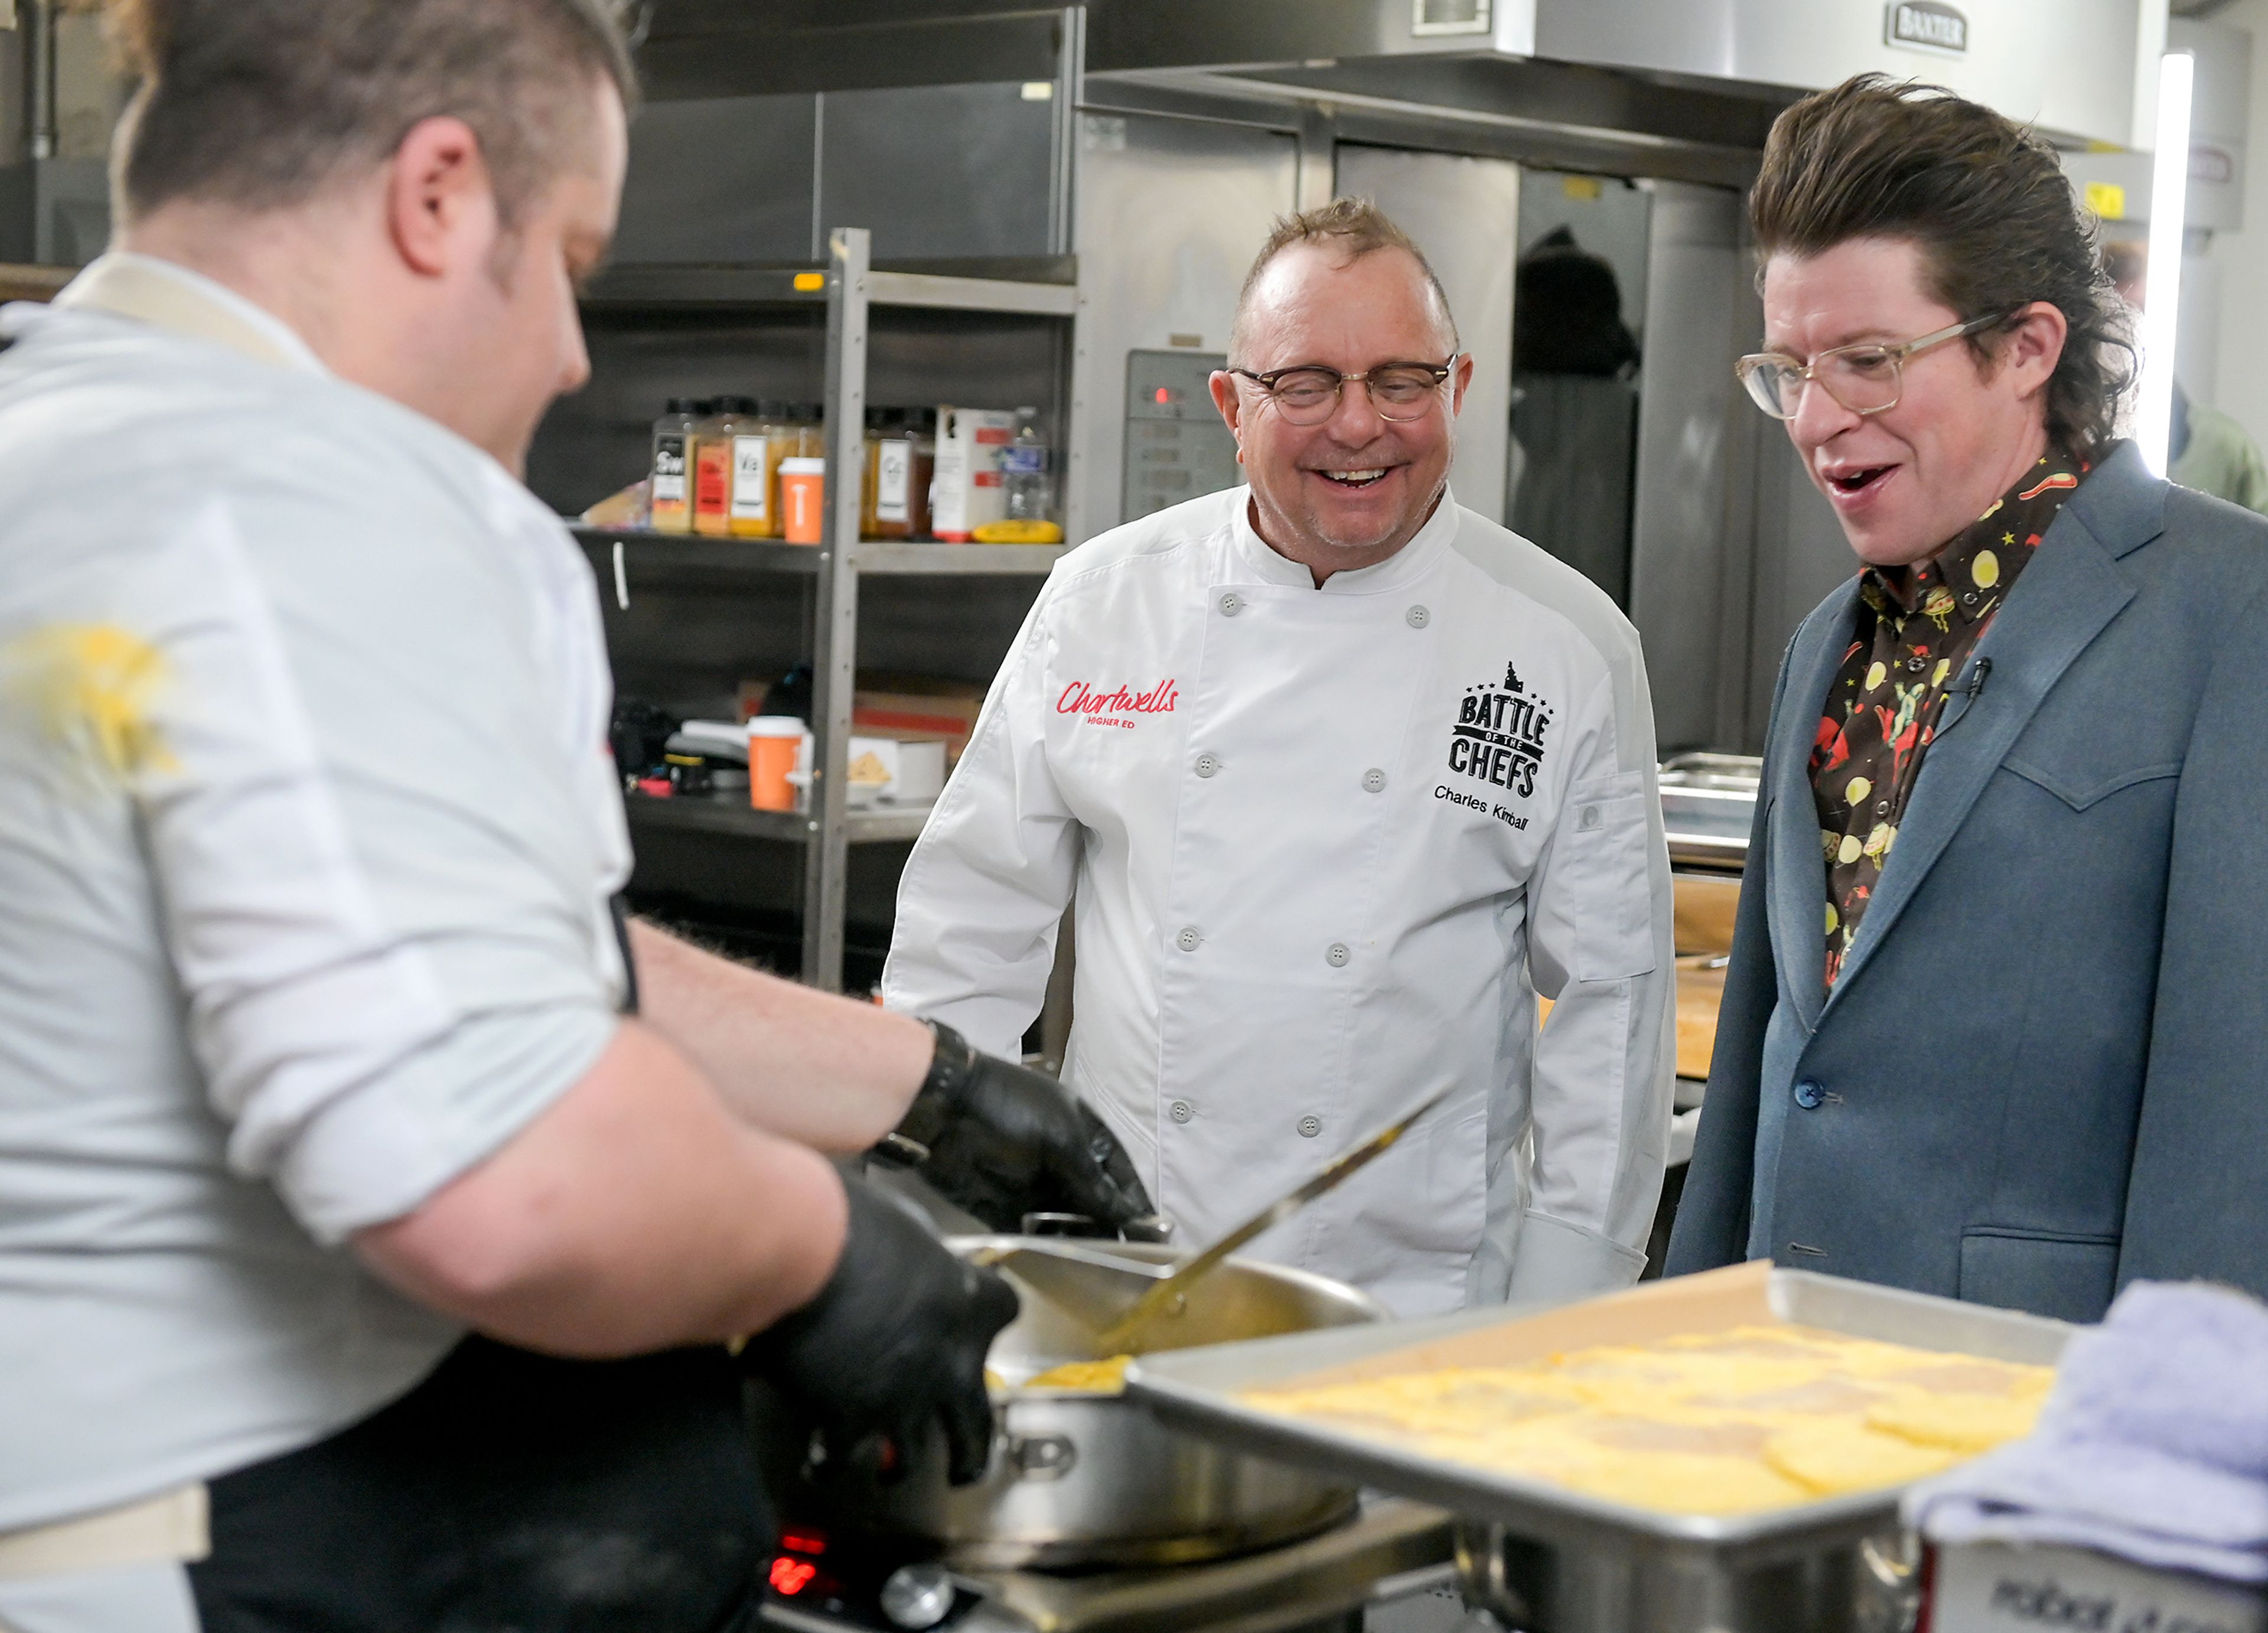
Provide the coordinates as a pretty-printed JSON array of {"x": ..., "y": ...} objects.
[
  {"x": 1499, "y": 737},
  {"x": 1927, "y": 24}
]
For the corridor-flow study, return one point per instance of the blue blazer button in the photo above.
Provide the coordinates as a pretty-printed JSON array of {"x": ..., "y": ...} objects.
[{"x": 1808, "y": 1094}]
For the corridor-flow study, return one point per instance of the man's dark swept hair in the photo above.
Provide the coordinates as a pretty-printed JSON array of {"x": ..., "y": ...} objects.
[
  {"x": 1987, "y": 202},
  {"x": 262, "y": 104}
]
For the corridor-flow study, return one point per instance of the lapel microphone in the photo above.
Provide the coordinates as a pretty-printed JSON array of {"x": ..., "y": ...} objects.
[{"x": 1977, "y": 678}]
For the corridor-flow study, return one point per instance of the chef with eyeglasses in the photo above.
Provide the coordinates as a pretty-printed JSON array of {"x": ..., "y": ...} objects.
[{"x": 1339, "y": 778}]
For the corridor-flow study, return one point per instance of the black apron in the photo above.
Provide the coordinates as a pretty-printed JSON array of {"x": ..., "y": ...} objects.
[{"x": 508, "y": 1493}]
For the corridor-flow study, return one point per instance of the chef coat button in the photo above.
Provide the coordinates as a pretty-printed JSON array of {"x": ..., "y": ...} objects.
[
  {"x": 1231, "y": 604},
  {"x": 1418, "y": 617},
  {"x": 1917, "y": 665},
  {"x": 1207, "y": 764},
  {"x": 1373, "y": 781},
  {"x": 1337, "y": 956},
  {"x": 1180, "y": 1111},
  {"x": 1969, "y": 598},
  {"x": 1881, "y": 807},
  {"x": 1808, "y": 1094},
  {"x": 1310, "y": 1127},
  {"x": 1187, "y": 941}
]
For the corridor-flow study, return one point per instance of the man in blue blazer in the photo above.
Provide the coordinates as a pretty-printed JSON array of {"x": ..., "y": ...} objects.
[{"x": 1996, "y": 1025}]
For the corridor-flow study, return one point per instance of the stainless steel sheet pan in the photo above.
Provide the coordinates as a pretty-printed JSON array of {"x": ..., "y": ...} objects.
[{"x": 1201, "y": 1391}]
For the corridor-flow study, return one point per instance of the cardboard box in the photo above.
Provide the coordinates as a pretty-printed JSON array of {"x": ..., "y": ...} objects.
[
  {"x": 917, "y": 709},
  {"x": 911, "y": 708},
  {"x": 1998, "y": 1587},
  {"x": 969, "y": 492},
  {"x": 946, "y": 717},
  {"x": 896, "y": 770}
]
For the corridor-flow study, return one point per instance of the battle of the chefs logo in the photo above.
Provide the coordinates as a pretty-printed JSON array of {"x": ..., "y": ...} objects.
[{"x": 1499, "y": 735}]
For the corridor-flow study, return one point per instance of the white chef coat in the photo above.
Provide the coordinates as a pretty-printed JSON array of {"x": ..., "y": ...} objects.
[
  {"x": 1326, "y": 846},
  {"x": 308, "y": 831}
]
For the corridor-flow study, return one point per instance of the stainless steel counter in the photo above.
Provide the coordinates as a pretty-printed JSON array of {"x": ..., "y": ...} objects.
[
  {"x": 1393, "y": 1549},
  {"x": 1708, "y": 805}
]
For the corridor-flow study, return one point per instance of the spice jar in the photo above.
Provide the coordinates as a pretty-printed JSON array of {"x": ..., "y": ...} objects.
[
  {"x": 669, "y": 491},
  {"x": 755, "y": 453},
  {"x": 900, "y": 486},
  {"x": 713, "y": 465}
]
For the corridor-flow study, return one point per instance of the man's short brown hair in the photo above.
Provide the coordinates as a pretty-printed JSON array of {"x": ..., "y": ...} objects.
[
  {"x": 1986, "y": 200},
  {"x": 1355, "y": 227},
  {"x": 262, "y": 104}
]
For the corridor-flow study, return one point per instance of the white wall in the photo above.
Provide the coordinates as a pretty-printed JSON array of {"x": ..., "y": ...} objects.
[{"x": 2234, "y": 378}]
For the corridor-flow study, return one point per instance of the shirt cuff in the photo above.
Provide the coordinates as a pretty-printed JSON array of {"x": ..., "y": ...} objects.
[
  {"x": 380, "y": 1152},
  {"x": 1556, "y": 1262}
]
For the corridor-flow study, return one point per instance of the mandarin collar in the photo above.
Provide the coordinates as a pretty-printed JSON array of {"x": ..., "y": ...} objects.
[
  {"x": 1412, "y": 562},
  {"x": 169, "y": 295}
]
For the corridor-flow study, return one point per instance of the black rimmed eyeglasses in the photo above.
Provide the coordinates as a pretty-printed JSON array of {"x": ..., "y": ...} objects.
[{"x": 1310, "y": 393}]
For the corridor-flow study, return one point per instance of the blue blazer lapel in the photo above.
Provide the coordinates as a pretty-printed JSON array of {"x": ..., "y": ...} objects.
[
  {"x": 2067, "y": 593},
  {"x": 1798, "y": 905}
]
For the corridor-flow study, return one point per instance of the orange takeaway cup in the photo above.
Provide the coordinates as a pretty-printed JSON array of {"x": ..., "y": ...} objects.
[
  {"x": 803, "y": 497},
  {"x": 775, "y": 742}
]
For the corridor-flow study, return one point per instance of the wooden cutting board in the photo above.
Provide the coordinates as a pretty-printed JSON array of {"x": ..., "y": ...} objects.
[{"x": 1700, "y": 990}]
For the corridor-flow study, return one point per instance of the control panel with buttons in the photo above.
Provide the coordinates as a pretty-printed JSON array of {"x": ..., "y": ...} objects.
[{"x": 1176, "y": 446}]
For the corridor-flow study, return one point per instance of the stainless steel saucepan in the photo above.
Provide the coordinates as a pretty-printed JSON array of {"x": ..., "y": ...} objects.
[{"x": 1082, "y": 1477}]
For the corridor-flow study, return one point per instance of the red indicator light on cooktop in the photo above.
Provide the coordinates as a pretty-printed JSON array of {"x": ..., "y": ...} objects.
[
  {"x": 802, "y": 1542},
  {"x": 1164, "y": 394},
  {"x": 790, "y": 1576}
]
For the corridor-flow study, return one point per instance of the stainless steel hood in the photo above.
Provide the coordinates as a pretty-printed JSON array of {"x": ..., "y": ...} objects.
[
  {"x": 2065, "y": 65},
  {"x": 1704, "y": 75}
]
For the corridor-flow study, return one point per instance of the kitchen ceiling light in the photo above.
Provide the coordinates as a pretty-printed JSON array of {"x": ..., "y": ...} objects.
[{"x": 2161, "y": 297}]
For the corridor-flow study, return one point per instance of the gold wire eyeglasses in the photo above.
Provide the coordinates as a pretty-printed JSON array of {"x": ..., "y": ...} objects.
[{"x": 1866, "y": 378}]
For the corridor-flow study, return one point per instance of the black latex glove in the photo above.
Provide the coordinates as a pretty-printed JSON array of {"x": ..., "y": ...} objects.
[
  {"x": 1006, "y": 1141},
  {"x": 894, "y": 1341}
]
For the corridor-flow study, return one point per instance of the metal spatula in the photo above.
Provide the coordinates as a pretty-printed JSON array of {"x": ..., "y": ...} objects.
[
  {"x": 1087, "y": 1282},
  {"x": 1124, "y": 1334}
]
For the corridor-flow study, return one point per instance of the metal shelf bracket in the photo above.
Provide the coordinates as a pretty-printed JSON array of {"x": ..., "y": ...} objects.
[{"x": 834, "y": 633}]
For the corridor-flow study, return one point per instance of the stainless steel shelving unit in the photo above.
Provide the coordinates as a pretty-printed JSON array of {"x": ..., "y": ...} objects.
[
  {"x": 738, "y": 818},
  {"x": 850, "y": 287},
  {"x": 869, "y": 558}
]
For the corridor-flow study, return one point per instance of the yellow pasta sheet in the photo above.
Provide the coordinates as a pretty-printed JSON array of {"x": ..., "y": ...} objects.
[{"x": 1733, "y": 1419}]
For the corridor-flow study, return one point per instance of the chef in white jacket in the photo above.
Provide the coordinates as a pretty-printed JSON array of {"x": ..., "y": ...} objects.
[{"x": 1341, "y": 777}]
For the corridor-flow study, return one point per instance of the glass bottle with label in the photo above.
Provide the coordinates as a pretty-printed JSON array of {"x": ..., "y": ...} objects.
[
  {"x": 1028, "y": 485},
  {"x": 893, "y": 476},
  {"x": 799, "y": 435},
  {"x": 713, "y": 468},
  {"x": 756, "y": 454},
  {"x": 922, "y": 433},
  {"x": 811, "y": 416},
  {"x": 670, "y": 488},
  {"x": 881, "y": 424}
]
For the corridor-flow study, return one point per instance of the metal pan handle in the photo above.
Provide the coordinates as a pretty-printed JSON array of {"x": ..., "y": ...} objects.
[
  {"x": 1148, "y": 1227},
  {"x": 1481, "y": 1577}
]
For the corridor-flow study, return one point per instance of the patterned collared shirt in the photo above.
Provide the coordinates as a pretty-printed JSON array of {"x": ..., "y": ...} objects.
[{"x": 1916, "y": 626}]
